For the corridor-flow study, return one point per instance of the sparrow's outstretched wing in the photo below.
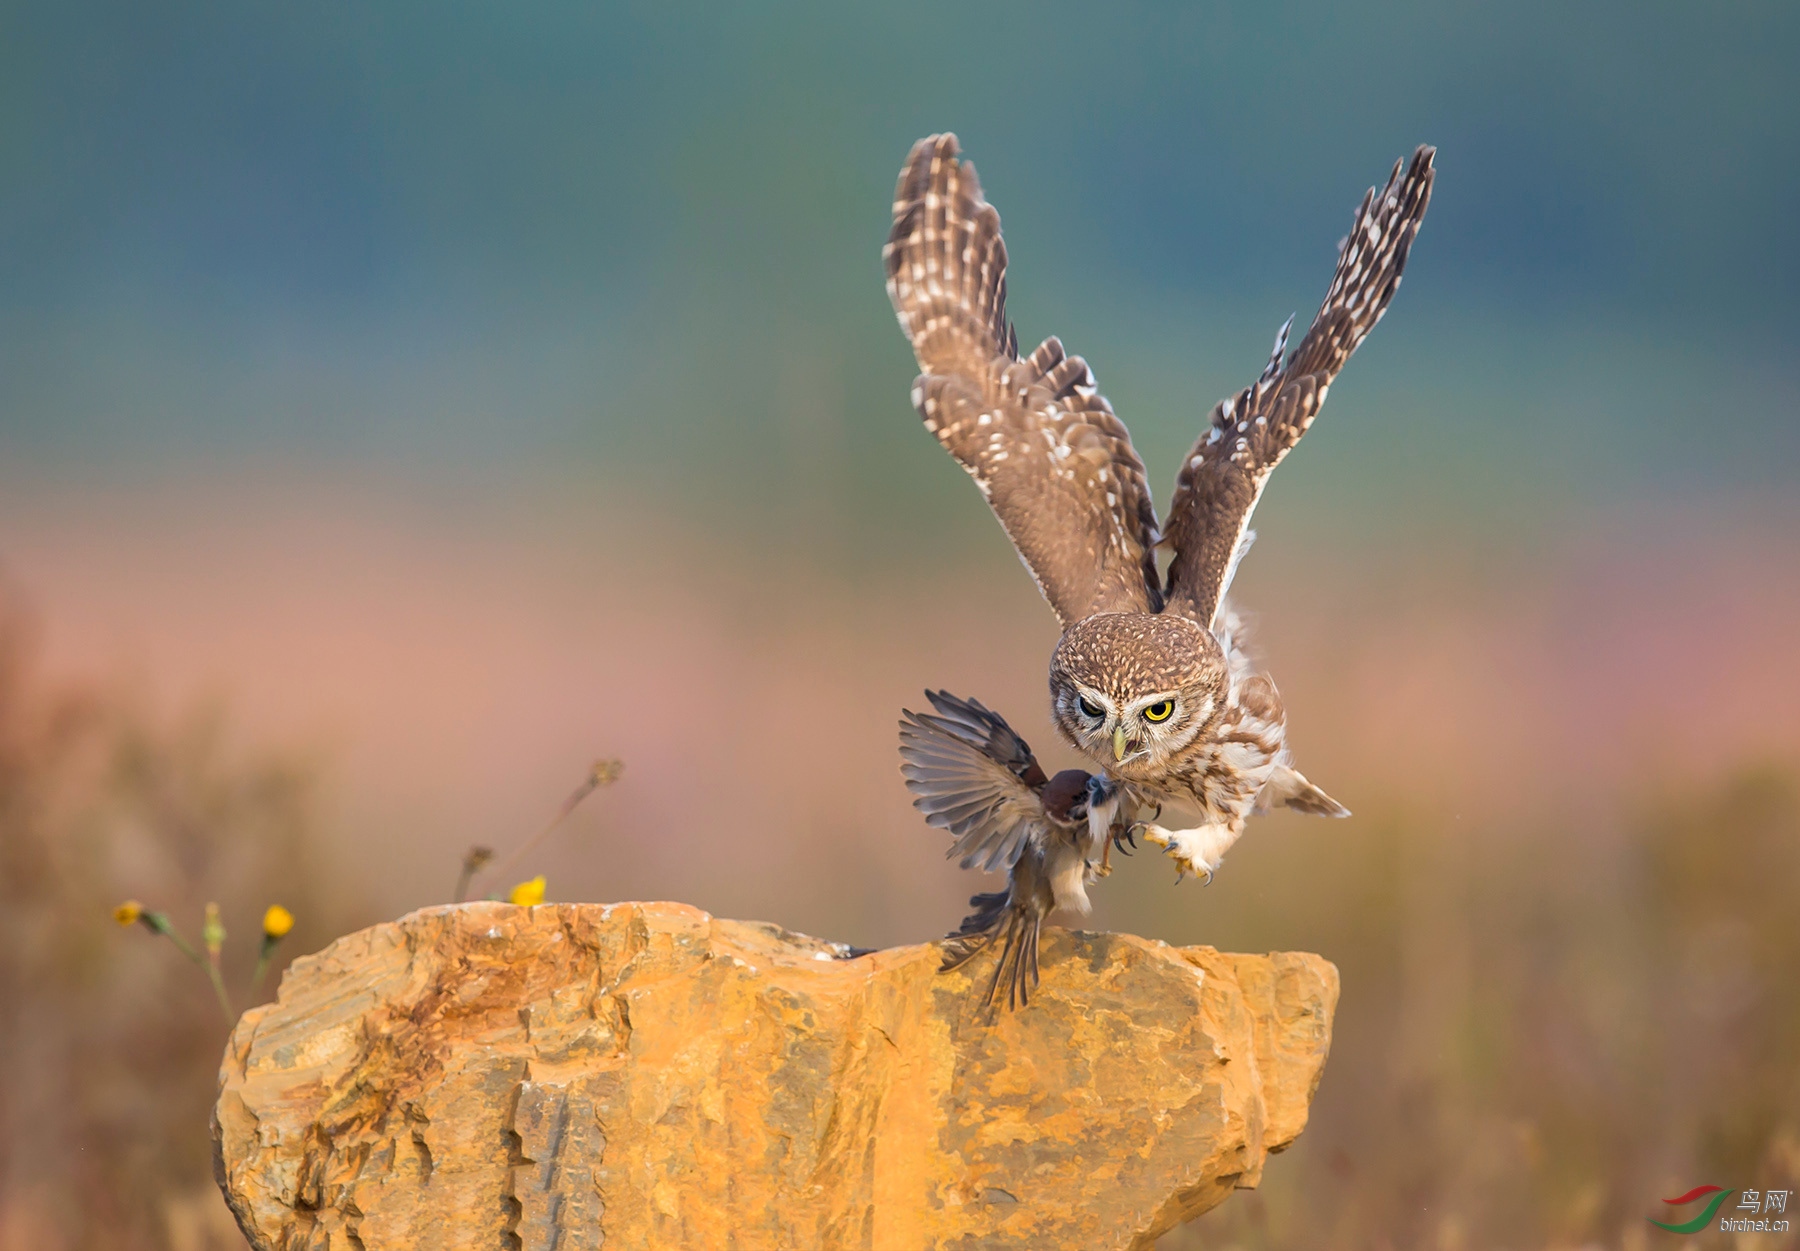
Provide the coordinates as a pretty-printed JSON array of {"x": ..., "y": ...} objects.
[
  {"x": 1041, "y": 442},
  {"x": 1219, "y": 484},
  {"x": 969, "y": 773}
]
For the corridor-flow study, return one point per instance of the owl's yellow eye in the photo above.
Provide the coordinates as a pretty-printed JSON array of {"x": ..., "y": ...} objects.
[
  {"x": 1090, "y": 708},
  {"x": 1159, "y": 711}
]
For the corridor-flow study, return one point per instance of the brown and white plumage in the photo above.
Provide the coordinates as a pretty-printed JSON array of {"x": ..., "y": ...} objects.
[
  {"x": 1041, "y": 442},
  {"x": 1222, "y": 478},
  {"x": 970, "y": 773},
  {"x": 1150, "y": 679}
]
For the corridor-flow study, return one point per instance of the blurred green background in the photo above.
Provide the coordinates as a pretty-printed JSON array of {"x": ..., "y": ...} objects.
[{"x": 402, "y": 406}]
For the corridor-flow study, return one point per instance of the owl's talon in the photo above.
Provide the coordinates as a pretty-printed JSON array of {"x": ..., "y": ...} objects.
[{"x": 1197, "y": 851}]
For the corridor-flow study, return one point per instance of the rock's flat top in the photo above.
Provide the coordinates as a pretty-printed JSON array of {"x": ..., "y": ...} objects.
[{"x": 643, "y": 1075}]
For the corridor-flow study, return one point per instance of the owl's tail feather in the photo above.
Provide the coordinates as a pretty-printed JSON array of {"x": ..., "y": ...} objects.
[
  {"x": 1288, "y": 787},
  {"x": 946, "y": 262}
]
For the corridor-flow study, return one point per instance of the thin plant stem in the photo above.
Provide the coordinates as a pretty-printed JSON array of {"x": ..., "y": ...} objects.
[
  {"x": 477, "y": 859},
  {"x": 263, "y": 957},
  {"x": 182, "y": 945},
  {"x": 213, "y": 933},
  {"x": 604, "y": 773},
  {"x": 159, "y": 923},
  {"x": 218, "y": 985}
]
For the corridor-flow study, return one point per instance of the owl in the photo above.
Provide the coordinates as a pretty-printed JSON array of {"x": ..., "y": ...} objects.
[
  {"x": 1150, "y": 678},
  {"x": 971, "y": 774}
]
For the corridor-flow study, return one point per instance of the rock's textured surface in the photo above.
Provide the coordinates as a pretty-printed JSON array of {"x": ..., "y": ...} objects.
[{"x": 642, "y": 1075}]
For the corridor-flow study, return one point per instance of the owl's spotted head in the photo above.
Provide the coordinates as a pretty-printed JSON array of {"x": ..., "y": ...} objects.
[{"x": 1133, "y": 689}]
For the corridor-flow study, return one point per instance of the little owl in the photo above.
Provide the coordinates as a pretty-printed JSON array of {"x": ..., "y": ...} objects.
[{"x": 1150, "y": 678}]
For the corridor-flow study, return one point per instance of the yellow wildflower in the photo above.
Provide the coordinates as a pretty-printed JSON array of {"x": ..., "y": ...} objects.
[
  {"x": 129, "y": 912},
  {"x": 530, "y": 893},
  {"x": 277, "y": 921}
]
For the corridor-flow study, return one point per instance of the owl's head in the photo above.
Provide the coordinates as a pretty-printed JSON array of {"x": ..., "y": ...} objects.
[{"x": 1134, "y": 689}]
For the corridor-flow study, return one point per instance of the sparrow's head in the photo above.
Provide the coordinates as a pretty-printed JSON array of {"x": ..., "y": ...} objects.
[
  {"x": 1066, "y": 797},
  {"x": 1133, "y": 689}
]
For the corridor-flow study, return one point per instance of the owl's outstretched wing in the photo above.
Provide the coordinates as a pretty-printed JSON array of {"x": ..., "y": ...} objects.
[
  {"x": 1219, "y": 484},
  {"x": 1041, "y": 442},
  {"x": 969, "y": 773}
]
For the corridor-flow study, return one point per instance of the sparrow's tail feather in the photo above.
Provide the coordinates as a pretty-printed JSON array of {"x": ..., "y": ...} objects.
[
  {"x": 977, "y": 930},
  {"x": 1018, "y": 962},
  {"x": 1007, "y": 941},
  {"x": 1015, "y": 929},
  {"x": 1027, "y": 968},
  {"x": 1010, "y": 966}
]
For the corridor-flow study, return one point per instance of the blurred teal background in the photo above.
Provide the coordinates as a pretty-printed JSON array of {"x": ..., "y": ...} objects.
[
  {"x": 403, "y": 405},
  {"x": 645, "y": 239}
]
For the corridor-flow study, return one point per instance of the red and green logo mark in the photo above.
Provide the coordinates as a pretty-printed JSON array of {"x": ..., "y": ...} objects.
[{"x": 1719, "y": 1195}]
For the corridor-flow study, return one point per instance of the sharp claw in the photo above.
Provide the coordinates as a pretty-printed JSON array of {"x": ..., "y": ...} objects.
[{"x": 1187, "y": 858}]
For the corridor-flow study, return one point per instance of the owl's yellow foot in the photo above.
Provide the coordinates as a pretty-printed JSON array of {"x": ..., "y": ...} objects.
[{"x": 1198, "y": 851}]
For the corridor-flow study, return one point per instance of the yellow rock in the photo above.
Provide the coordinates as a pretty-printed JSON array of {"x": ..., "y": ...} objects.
[{"x": 643, "y": 1075}]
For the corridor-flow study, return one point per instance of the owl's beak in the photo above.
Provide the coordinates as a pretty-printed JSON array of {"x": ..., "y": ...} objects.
[{"x": 1119, "y": 743}]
